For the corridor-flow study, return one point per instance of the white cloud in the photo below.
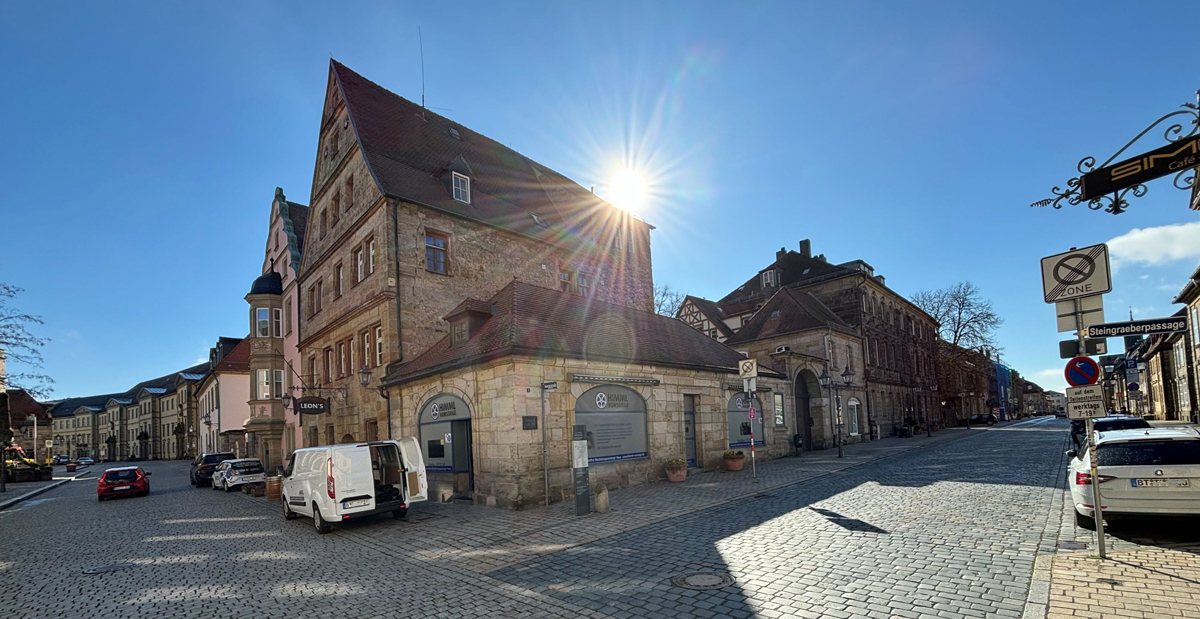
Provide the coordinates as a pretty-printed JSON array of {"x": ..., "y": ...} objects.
[{"x": 1159, "y": 245}]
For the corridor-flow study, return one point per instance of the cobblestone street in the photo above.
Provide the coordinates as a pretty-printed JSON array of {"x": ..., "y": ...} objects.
[{"x": 951, "y": 529}]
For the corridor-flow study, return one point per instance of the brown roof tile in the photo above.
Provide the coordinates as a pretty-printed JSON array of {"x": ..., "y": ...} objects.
[{"x": 238, "y": 359}]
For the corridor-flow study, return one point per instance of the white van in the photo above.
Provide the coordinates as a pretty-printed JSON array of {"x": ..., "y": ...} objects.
[{"x": 340, "y": 482}]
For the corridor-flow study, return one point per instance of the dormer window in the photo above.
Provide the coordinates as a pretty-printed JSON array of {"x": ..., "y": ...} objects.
[
  {"x": 768, "y": 279},
  {"x": 458, "y": 332},
  {"x": 462, "y": 187}
]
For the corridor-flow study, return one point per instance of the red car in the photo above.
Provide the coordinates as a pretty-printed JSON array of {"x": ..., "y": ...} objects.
[{"x": 127, "y": 480}]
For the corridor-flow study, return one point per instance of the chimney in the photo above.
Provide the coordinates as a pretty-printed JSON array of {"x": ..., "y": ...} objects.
[
  {"x": 806, "y": 248},
  {"x": 780, "y": 254}
]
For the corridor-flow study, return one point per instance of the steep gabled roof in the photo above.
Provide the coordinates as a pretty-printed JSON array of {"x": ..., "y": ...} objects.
[
  {"x": 789, "y": 311},
  {"x": 540, "y": 322},
  {"x": 711, "y": 311},
  {"x": 411, "y": 152},
  {"x": 793, "y": 268},
  {"x": 238, "y": 359}
]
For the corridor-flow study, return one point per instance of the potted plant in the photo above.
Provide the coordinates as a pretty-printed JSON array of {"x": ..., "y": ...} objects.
[
  {"x": 734, "y": 460},
  {"x": 676, "y": 469}
]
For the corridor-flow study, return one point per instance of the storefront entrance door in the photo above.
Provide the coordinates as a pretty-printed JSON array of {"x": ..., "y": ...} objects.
[{"x": 689, "y": 428}]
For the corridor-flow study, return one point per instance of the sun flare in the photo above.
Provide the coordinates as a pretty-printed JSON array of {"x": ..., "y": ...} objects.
[{"x": 628, "y": 190}]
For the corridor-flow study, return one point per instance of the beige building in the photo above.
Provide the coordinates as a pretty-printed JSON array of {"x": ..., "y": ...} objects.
[
  {"x": 517, "y": 372},
  {"x": 223, "y": 402},
  {"x": 411, "y": 212}
]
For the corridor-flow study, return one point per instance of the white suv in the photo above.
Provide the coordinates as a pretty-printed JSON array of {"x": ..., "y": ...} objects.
[
  {"x": 1145, "y": 472},
  {"x": 340, "y": 482}
]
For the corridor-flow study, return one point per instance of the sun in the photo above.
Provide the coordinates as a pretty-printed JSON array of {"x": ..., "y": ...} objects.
[{"x": 628, "y": 190}]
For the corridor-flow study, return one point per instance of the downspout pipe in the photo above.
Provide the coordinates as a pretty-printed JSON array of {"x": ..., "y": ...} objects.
[
  {"x": 545, "y": 453},
  {"x": 394, "y": 207}
]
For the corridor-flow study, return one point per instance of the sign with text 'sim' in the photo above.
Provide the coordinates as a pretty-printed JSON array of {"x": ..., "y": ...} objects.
[
  {"x": 1076, "y": 273},
  {"x": 1170, "y": 159}
]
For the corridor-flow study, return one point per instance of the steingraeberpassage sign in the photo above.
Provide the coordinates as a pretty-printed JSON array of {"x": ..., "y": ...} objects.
[{"x": 1139, "y": 327}]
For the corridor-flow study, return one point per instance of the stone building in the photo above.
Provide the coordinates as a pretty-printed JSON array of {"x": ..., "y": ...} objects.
[
  {"x": 963, "y": 377},
  {"x": 411, "y": 212},
  {"x": 897, "y": 339},
  {"x": 517, "y": 371},
  {"x": 1188, "y": 347}
]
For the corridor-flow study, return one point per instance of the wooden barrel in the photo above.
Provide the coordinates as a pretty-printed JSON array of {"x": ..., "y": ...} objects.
[{"x": 274, "y": 487}]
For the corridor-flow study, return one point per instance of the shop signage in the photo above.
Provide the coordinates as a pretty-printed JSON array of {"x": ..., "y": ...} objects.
[
  {"x": 444, "y": 407},
  {"x": 311, "y": 405},
  {"x": 741, "y": 418},
  {"x": 1170, "y": 159},
  {"x": 615, "y": 424},
  {"x": 437, "y": 428}
]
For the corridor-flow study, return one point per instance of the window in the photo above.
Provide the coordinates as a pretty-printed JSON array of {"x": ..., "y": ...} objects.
[
  {"x": 320, "y": 294},
  {"x": 1196, "y": 326},
  {"x": 287, "y": 317},
  {"x": 328, "y": 365},
  {"x": 581, "y": 285},
  {"x": 313, "y": 437},
  {"x": 462, "y": 187},
  {"x": 329, "y": 435},
  {"x": 263, "y": 385},
  {"x": 564, "y": 281},
  {"x": 366, "y": 347},
  {"x": 458, "y": 332},
  {"x": 349, "y": 201},
  {"x": 778, "y": 408},
  {"x": 335, "y": 208},
  {"x": 370, "y": 256},
  {"x": 278, "y": 393},
  {"x": 359, "y": 265},
  {"x": 435, "y": 253},
  {"x": 340, "y": 279},
  {"x": 277, "y": 322},
  {"x": 312, "y": 369},
  {"x": 341, "y": 359},
  {"x": 768, "y": 278},
  {"x": 324, "y": 223},
  {"x": 262, "y": 320},
  {"x": 378, "y": 346}
]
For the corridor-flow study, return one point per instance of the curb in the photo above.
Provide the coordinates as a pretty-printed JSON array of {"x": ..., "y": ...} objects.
[{"x": 32, "y": 493}]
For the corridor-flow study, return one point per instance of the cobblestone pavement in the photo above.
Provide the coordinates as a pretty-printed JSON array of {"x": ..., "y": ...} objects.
[{"x": 950, "y": 530}]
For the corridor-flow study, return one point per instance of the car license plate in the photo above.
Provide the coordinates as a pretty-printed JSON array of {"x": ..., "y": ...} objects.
[
  {"x": 120, "y": 488},
  {"x": 355, "y": 503},
  {"x": 1160, "y": 483}
]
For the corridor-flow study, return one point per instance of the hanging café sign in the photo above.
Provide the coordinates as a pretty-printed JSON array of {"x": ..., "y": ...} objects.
[
  {"x": 1106, "y": 186},
  {"x": 312, "y": 405}
]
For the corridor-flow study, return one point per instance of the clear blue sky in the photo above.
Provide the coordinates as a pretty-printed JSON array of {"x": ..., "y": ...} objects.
[{"x": 144, "y": 143}]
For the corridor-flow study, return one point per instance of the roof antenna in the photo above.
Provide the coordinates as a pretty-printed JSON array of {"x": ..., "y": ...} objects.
[{"x": 421, "y": 42}]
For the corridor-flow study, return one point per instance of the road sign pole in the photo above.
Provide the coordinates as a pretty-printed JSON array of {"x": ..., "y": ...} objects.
[
  {"x": 753, "y": 462},
  {"x": 1091, "y": 434}
]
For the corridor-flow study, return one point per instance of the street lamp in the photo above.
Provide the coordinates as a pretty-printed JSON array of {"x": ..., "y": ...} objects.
[
  {"x": 834, "y": 390},
  {"x": 364, "y": 376},
  {"x": 928, "y": 425}
]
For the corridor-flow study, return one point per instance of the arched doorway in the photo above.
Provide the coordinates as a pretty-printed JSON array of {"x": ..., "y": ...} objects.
[
  {"x": 444, "y": 426},
  {"x": 806, "y": 388}
]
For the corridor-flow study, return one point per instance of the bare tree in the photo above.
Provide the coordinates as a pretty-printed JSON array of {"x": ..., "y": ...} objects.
[
  {"x": 965, "y": 318},
  {"x": 18, "y": 345},
  {"x": 667, "y": 300}
]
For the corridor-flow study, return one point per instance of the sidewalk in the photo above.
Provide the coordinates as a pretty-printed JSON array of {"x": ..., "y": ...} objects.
[
  {"x": 483, "y": 539},
  {"x": 24, "y": 490}
]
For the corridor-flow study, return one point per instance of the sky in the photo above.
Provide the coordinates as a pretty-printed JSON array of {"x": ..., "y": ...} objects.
[{"x": 146, "y": 141}]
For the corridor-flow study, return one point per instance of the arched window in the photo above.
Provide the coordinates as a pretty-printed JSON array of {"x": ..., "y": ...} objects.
[{"x": 852, "y": 412}]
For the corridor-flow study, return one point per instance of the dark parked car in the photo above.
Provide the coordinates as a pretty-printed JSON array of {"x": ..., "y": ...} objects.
[
  {"x": 124, "y": 481},
  {"x": 1104, "y": 424},
  {"x": 985, "y": 419},
  {"x": 204, "y": 465}
]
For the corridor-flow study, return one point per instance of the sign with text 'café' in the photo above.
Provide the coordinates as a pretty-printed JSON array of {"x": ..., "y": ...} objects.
[
  {"x": 312, "y": 405},
  {"x": 1170, "y": 159}
]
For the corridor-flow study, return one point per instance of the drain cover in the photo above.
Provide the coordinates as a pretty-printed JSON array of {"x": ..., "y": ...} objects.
[
  {"x": 1072, "y": 545},
  {"x": 104, "y": 569},
  {"x": 702, "y": 581}
]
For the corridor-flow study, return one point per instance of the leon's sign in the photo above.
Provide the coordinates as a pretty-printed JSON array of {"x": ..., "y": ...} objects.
[
  {"x": 312, "y": 405},
  {"x": 1170, "y": 159}
]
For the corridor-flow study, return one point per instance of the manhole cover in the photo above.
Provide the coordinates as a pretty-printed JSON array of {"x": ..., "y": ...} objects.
[
  {"x": 104, "y": 569},
  {"x": 1072, "y": 545},
  {"x": 702, "y": 581}
]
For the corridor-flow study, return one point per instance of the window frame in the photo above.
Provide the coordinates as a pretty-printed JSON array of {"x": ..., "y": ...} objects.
[
  {"x": 277, "y": 384},
  {"x": 287, "y": 316},
  {"x": 277, "y": 322},
  {"x": 378, "y": 346},
  {"x": 262, "y": 322},
  {"x": 443, "y": 250},
  {"x": 262, "y": 384},
  {"x": 455, "y": 177},
  {"x": 339, "y": 278},
  {"x": 328, "y": 365}
]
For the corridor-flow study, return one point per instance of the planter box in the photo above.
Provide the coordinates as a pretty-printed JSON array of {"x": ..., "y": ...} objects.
[
  {"x": 676, "y": 474},
  {"x": 735, "y": 464}
]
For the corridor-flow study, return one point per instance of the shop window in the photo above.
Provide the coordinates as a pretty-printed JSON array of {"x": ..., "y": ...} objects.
[
  {"x": 779, "y": 421},
  {"x": 852, "y": 412}
]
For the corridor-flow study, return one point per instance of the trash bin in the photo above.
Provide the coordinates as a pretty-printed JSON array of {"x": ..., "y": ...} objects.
[{"x": 274, "y": 487}]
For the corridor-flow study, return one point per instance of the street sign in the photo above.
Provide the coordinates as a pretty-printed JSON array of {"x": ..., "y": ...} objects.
[
  {"x": 752, "y": 411},
  {"x": 1134, "y": 386},
  {"x": 1131, "y": 364},
  {"x": 1170, "y": 159},
  {"x": 1081, "y": 371},
  {"x": 748, "y": 368},
  {"x": 312, "y": 405},
  {"x": 1139, "y": 327},
  {"x": 1077, "y": 273},
  {"x": 1091, "y": 310},
  {"x": 1070, "y": 348},
  {"x": 1085, "y": 402},
  {"x": 50, "y": 443}
]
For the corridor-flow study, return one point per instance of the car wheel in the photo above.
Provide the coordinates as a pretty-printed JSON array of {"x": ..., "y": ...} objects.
[
  {"x": 319, "y": 522},
  {"x": 1085, "y": 522},
  {"x": 399, "y": 514},
  {"x": 288, "y": 514},
  {"x": 100, "y": 498},
  {"x": 225, "y": 485},
  {"x": 192, "y": 479}
]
